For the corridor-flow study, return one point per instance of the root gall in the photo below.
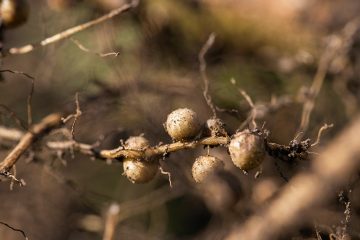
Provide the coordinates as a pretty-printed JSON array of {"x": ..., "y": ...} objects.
[
  {"x": 182, "y": 124},
  {"x": 205, "y": 166},
  {"x": 247, "y": 150}
]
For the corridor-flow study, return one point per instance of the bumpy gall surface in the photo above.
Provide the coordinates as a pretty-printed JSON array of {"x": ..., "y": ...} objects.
[
  {"x": 205, "y": 166},
  {"x": 247, "y": 150},
  {"x": 182, "y": 124}
]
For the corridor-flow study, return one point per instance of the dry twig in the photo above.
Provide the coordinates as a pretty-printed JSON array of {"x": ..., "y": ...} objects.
[
  {"x": 74, "y": 116},
  {"x": 260, "y": 110},
  {"x": 111, "y": 221},
  {"x": 11, "y": 134},
  {"x": 336, "y": 45},
  {"x": 202, "y": 69},
  {"x": 85, "y": 49},
  {"x": 14, "y": 116},
  {"x": 346, "y": 70},
  {"x": 162, "y": 149},
  {"x": 168, "y": 174},
  {"x": 15, "y": 229},
  {"x": 120, "y": 152},
  {"x": 286, "y": 153},
  {"x": 29, "y": 100},
  {"x": 49, "y": 122},
  {"x": 18, "y": 72},
  {"x": 252, "y": 115},
  {"x": 31, "y": 92},
  {"x": 323, "y": 128},
  {"x": 71, "y": 31}
]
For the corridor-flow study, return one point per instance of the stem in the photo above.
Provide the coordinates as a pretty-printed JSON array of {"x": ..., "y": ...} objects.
[{"x": 36, "y": 131}]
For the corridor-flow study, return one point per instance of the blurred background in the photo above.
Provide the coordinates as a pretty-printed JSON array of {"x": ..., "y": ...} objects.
[{"x": 270, "y": 48}]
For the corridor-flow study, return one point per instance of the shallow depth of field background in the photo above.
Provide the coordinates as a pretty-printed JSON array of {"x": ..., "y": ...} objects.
[{"x": 271, "y": 48}]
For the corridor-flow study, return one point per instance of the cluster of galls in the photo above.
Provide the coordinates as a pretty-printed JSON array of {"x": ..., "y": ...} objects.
[
  {"x": 13, "y": 13},
  {"x": 246, "y": 148},
  {"x": 138, "y": 170},
  {"x": 247, "y": 151}
]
